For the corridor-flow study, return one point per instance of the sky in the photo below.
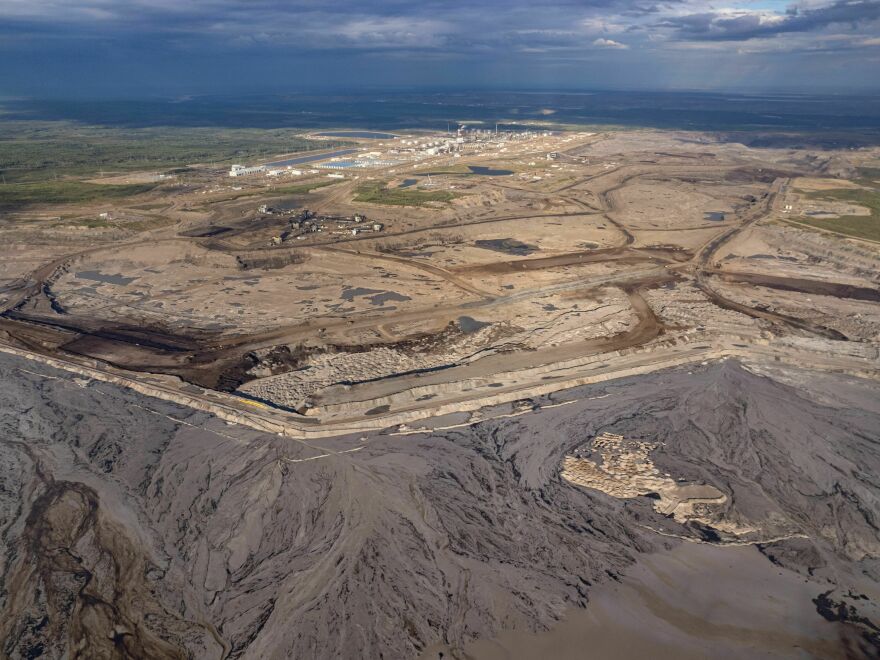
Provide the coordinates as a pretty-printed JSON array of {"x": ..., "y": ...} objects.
[{"x": 169, "y": 48}]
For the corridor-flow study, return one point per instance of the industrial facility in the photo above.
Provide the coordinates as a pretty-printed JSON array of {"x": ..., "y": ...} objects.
[{"x": 242, "y": 170}]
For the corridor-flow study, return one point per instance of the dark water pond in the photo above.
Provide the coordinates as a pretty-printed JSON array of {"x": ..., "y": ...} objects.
[
  {"x": 98, "y": 276},
  {"x": 376, "y": 296},
  {"x": 715, "y": 216},
  {"x": 488, "y": 171},
  {"x": 388, "y": 296},
  {"x": 469, "y": 325},
  {"x": 350, "y": 294},
  {"x": 507, "y": 246},
  {"x": 368, "y": 135}
]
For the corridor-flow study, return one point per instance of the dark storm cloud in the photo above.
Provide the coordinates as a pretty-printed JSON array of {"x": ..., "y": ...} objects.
[
  {"x": 50, "y": 44},
  {"x": 751, "y": 25},
  {"x": 460, "y": 24},
  {"x": 206, "y": 18}
]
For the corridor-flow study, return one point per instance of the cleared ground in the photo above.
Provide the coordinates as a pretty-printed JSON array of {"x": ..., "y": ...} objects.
[{"x": 642, "y": 241}]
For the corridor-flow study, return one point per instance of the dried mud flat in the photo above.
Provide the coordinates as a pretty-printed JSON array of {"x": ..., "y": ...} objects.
[
  {"x": 667, "y": 606},
  {"x": 133, "y": 527}
]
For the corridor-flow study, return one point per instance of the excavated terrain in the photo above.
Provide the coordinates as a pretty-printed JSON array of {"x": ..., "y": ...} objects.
[
  {"x": 134, "y": 527},
  {"x": 646, "y": 245},
  {"x": 523, "y": 422}
]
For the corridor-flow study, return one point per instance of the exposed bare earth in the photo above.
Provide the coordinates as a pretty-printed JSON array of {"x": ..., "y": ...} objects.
[
  {"x": 226, "y": 434},
  {"x": 608, "y": 250},
  {"x": 129, "y": 523}
]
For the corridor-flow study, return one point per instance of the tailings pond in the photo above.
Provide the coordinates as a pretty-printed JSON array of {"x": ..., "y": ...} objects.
[
  {"x": 311, "y": 158},
  {"x": 488, "y": 171},
  {"x": 365, "y": 135}
]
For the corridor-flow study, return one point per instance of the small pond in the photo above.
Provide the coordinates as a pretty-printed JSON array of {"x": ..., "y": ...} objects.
[
  {"x": 469, "y": 325},
  {"x": 507, "y": 246},
  {"x": 488, "y": 171},
  {"x": 98, "y": 276}
]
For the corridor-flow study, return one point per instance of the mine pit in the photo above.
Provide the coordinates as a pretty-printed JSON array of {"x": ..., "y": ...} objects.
[{"x": 313, "y": 417}]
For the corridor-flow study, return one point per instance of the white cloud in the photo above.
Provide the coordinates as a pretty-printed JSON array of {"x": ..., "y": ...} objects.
[{"x": 609, "y": 43}]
